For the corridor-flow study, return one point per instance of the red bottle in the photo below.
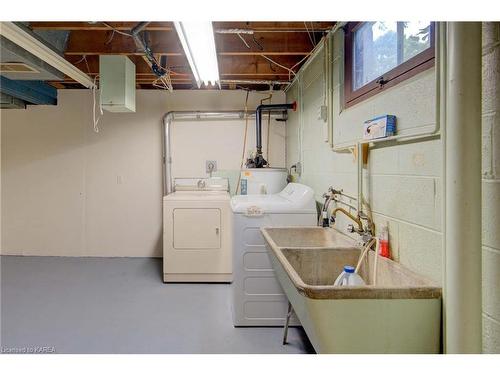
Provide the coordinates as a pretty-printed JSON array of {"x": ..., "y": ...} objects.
[{"x": 385, "y": 251}]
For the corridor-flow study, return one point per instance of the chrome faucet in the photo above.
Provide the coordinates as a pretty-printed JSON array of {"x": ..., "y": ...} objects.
[
  {"x": 323, "y": 218},
  {"x": 365, "y": 231}
]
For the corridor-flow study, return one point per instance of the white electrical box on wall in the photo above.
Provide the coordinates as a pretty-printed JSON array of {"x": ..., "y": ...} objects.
[{"x": 117, "y": 83}]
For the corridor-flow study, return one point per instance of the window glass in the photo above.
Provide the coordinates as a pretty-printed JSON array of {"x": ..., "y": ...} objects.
[
  {"x": 417, "y": 38},
  {"x": 381, "y": 46}
]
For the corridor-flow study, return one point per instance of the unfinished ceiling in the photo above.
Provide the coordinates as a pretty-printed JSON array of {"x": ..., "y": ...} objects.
[{"x": 250, "y": 54}]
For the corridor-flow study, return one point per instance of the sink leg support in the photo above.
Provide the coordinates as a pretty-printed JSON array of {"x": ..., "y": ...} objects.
[{"x": 287, "y": 322}]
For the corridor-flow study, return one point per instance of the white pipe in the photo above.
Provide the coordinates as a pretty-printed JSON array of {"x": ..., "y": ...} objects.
[
  {"x": 363, "y": 254},
  {"x": 234, "y": 31},
  {"x": 254, "y": 81},
  {"x": 462, "y": 178},
  {"x": 359, "y": 167},
  {"x": 375, "y": 261}
]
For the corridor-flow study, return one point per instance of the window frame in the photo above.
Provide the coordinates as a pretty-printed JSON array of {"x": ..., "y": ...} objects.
[{"x": 416, "y": 64}]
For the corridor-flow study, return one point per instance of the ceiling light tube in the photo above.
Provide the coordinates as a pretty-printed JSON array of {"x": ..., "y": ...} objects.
[{"x": 197, "y": 39}]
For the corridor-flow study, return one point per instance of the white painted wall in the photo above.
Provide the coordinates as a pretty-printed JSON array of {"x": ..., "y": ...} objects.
[
  {"x": 491, "y": 187},
  {"x": 67, "y": 191}
]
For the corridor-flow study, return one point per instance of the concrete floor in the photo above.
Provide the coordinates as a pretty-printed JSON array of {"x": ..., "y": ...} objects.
[{"x": 120, "y": 305}]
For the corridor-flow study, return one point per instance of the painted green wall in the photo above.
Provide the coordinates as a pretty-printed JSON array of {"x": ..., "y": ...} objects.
[{"x": 402, "y": 182}]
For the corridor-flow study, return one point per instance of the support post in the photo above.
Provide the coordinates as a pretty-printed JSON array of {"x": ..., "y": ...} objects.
[{"x": 462, "y": 182}]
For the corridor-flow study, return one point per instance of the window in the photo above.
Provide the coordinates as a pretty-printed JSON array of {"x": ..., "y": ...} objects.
[{"x": 379, "y": 55}]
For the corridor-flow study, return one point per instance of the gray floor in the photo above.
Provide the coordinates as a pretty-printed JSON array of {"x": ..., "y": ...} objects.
[{"x": 120, "y": 305}]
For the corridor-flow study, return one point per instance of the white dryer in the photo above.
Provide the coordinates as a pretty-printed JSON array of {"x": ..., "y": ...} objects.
[
  {"x": 197, "y": 231},
  {"x": 257, "y": 297}
]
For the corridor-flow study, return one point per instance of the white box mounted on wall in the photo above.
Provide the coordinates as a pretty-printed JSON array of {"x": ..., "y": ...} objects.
[{"x": 117, "y": 83}]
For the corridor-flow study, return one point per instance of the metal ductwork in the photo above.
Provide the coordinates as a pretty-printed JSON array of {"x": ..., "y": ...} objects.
[
  {"x": 27, "y": 59},
  {"x": 9, "y": 102},
  {"x": 19, "y": 64}
]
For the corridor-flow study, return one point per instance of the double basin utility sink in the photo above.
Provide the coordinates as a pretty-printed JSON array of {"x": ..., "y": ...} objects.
[{"x": 400, "y": 314}]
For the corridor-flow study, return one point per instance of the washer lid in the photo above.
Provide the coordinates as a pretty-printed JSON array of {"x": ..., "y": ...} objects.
[
  {"x": 206, "y": 195},
  {"x": 294, "y": 198}
]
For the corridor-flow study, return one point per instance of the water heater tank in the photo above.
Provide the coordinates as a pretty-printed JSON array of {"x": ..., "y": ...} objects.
[{"x": 262, "y": 180}]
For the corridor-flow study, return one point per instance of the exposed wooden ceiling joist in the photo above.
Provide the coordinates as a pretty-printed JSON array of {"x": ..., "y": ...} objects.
[
  {"x": 262, "y": 27},
  {"x": 102, "y": 43},
  {"x": 98, "y": 26},
  {"x": 246, "y": 65},
  {"x": 278, "y": 27},
  {"x": 287, "y": 44},
  {"x": 105, "y": 43}
]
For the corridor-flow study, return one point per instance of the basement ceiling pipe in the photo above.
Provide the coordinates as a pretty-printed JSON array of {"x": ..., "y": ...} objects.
[{"x": 462, "y": 190}]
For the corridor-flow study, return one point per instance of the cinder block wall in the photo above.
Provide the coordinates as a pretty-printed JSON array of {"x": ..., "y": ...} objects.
[
  {"x": 398, "y": 174},
  {"x": 491, "y": 187},
  {"x": 402, "y": 182}
]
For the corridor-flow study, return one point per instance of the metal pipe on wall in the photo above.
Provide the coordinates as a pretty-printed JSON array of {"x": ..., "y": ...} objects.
[
  {"x": 169, "y": 117},
  {"x": 462, "y": 179},
  {"x": 268, "y": 107}
]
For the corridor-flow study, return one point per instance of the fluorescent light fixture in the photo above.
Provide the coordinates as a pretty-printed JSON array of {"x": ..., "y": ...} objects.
[
  {"x": 23, "y": 39},
  {"x": 197, "y": 39}
]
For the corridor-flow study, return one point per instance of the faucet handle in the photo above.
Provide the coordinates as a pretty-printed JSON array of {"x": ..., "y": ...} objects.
[{"x": 333, "y": 191}]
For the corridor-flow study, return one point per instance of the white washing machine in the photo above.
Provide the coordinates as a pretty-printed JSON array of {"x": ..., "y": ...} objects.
[
  {"x": 257, "y": 297},
  {"x": 197, "y": 231}
]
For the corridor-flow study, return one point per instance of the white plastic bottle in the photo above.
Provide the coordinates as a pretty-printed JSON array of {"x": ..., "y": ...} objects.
[{"x": 348, "y": 278}]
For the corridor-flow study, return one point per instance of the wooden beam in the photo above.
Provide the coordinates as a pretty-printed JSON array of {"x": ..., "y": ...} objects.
[
  {"x": 229, "y": 75},
  {"x": 178, "y": 63},
  {"x": 270, "y": 27},
  {"x": 262, "y": 27},
  {"x": 258, "y": 53},
  {"x": 289, "y": 43},
  {"x": 57, "y": 85},
  {"x": 167, "y": 43},
  {"x": 138, "y": 80},
  {"x": 98, "y": 26},
  {"x": 256, "y": 64},
  {"x": 103, "y": 43},
  {"x": 228, "y": 65}
]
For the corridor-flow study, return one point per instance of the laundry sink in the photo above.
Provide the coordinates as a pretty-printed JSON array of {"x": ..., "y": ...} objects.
[
  {"x": 401, "y": 313},
  {"x": 306, "y": 237}
]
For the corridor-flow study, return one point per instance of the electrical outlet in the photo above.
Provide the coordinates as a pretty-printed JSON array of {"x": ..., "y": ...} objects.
[
  {"x": 211, "y": 166},
  {"x": 298, "y": 168}
]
